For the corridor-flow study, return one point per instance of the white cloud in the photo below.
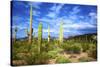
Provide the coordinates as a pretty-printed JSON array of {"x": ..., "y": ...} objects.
[
  {"x": 70, "y": 26},
  {"x": 75, "y": 10},
  {"x": 93, "y": 15},
  {"x": 59, "y": 8},
  {"x": 56, "y": 22},
  {"x": 44, "y": 19},
  {"x": 93, "y": 18},
  {"x": 82, "y": 17},
  {"x": 46, "y": 30},
  {"x": 35, "y": 4},
  {"x": 19, "y": 27},
  {"x": 66, "y": 30},
  {"x": 81, "y": 25},
  {"x": 36, "y": 13},
  {"x": 73, "y": 13},
  {"x": 55, "y": 10},
  {"x": 51, "y": 14},
  {"x": 73, "y": 17},
  {"x": 16, "y": 18}
]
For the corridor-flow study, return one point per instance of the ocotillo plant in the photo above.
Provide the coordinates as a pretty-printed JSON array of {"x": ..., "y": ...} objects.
[
  {"x": 61, "y": 33},
  {"x": 15, "y": 31},
  {"x": 39, "y": 36},
  {"x": 31, "y": 30},
  {"x": 48, "y": 34}
]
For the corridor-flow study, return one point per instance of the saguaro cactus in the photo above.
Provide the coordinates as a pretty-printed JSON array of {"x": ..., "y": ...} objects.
[
  {"x": 39, "y": 36},
  {"x": 61, "y": 33},
  {"x": 31, "y": 29},
  {"x": 48, "y": 34}
]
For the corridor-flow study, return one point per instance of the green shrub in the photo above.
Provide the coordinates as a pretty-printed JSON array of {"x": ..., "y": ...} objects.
[
  {"x": 62, "y": 59},
  {"x": 85, "y": 59},
  {"x": 44, "y": 57},
  {"x": 15, "y": 57},
  {"x": 65, "y": 46},
  {"x": 36, "y": 58},
  {"x": 71, "y": 48},
  {"x": 92, "y": 52},
  {"x": 85, "y": 47},
  {"x": 75, "y": 48},
  {"x": 52, "y": 54}
]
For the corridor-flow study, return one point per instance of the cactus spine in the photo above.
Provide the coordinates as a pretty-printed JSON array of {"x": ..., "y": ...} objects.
[
  {"x": 48, "y": 34},
  {"x": 31, "y": 30},
  {"x": 61, "y": 33},
  {"x": 39, "y": 36}
]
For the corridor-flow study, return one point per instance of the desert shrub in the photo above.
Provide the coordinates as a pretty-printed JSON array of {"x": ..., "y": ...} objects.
[
  {"x": 36, "y": 58},
  {"x": 75, "y": 48},
  {"x": 62, "y": 59},
  {"x": 92, "y": 52},
  {"x": 30, "y": 58},
  {"x": 72, "y": 48},
  {"x": 85, "y": 59},
  {"x": 44, "y": 57},
  {"x": 50, "y": 46},
  {"x": 15, "y": 51},
  {"x": 65, "y": 46},
  {"x": 15, "y": 57},
  {"x": 85, "y": 47},
  {"x": 53, "y": 54}
]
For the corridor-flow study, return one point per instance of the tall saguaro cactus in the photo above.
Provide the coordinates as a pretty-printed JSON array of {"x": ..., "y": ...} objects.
[
  {"x": 39, "y": 36},
  {"x": 61, "y": 33},
  {"x": 31, "y": 29},
  {"x": 48, "y": 34}
]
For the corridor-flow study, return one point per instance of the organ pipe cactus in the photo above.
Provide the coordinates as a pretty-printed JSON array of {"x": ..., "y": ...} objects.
[
  {"x": 61, "y": 33},
  {"x": 39, "y": 36},
  {"x": 31, "y": 29}
]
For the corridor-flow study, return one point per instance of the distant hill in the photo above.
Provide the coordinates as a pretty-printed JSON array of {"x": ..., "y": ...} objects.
[{"x": 92, "y": 36}]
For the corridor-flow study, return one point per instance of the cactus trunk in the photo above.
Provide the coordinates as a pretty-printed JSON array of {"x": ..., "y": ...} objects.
[
  {"x": 61, "y": 33},
  {"x": 31, "y": 30},
  {"x": 39, "y": 37}
]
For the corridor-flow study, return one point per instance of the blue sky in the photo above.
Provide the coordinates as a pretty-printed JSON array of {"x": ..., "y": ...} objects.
[{"x": 77, "y": 19}]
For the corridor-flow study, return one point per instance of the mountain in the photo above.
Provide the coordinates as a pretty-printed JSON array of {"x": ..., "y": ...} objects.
[{"x": 92, "y": 36}]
